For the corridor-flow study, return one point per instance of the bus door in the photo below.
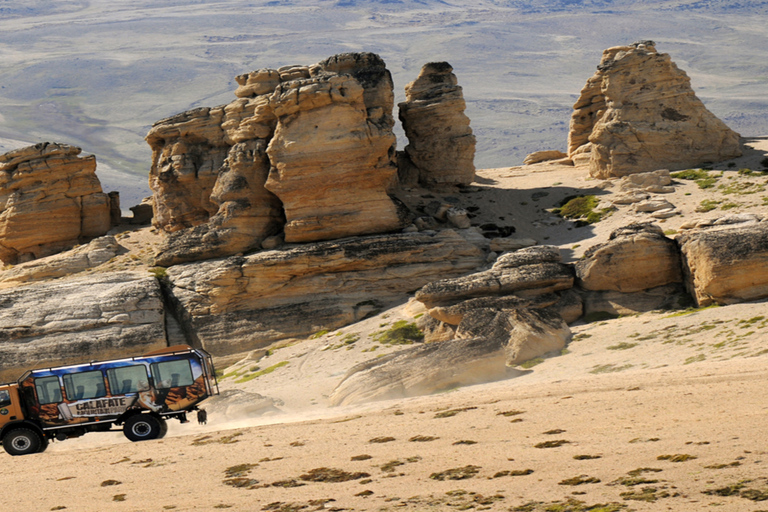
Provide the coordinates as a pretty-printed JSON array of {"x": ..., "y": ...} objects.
[{"x": 10, "y": 407}]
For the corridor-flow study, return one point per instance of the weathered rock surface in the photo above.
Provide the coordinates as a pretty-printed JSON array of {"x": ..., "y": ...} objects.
[
  {"x": 544, "y": 156},
  {"x": 638, "y": 113},
  {"x": 50, "y": 200},
  {"x": 726, "y": 265},
  {"x": 331, "y": 165},
  {"x": 527, "y": 272},
  {"x": 79, "y": 319},
  {"x": 423, "y": 370},
  {"x": 440, "y": 141},
  {"x": 636, "y": 257},
  {"x": 305, "y": 149},
  {"x": 245, "y": 302},
  {"x": 93, "y": 254}
]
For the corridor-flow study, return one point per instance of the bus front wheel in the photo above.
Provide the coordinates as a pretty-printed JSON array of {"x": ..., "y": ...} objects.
[
  {"x": 22, "y": 441},
  {"x": 142, "y": 427}
]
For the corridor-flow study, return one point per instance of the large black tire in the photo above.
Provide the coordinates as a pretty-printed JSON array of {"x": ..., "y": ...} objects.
[
  {"x": 163, "y": 428},
  {"x": 43, "y": 445},
  {"x": 22, "y": 441},
  {"x": 142, "y": 427}
]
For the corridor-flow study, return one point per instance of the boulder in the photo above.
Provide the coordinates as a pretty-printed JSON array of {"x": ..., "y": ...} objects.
[
  {"x": 727, "y": 264},
  {"x": 638, "y": 113},
  {"x": 525, "y": 273},
  {"x": 246, "y": 302},
  {"x": 635, "y": 258},
  {"x": 441, "y": 145},
  {"x": 544, "y": 156},
  {"x": 79, "y": 319},
  {"x": 84, "y": 257},
  {"x": 142, "y": 212},
  {"x": 50, "y": 200}
]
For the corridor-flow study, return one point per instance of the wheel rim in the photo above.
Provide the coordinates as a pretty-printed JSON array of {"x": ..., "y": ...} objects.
[
  {"x": 141, "y": 429},
  {"x": 21, "y": 443}
]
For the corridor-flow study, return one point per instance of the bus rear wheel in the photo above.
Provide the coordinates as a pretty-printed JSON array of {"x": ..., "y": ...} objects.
[
  {"x": 22, "y": 441},
  {"x": 142, "y": 427}
]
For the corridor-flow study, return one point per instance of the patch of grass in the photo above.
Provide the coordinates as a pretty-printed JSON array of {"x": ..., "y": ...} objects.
[
  {"x": 390, "y": 466},
  {"x": 586, "y": 457},
  {"x": 464, "y": 441},
  {"x": 265, "y": 371},
  {"x": 679, "y": 457},
  {"x": 402, "y": 332},
  {"x": 622, "y": 346},
  {"x": 319, "y": 334},
  {"x": 331, "y": 475},
  {"x": 239, "y": 470},
  {"x": 514, "y": 412},
  {"x": 609, "y": 368},
  {"x": 159, "y": 272},
  {"x": 453, "y": 412},
  {"x": 570, "y": 505},
  {"x": 580, "y": 480},
  {"x": 517, "y": 472},
  {"x": 531, "y": 363},
  {"x": 701, "y": 177},
  {"x": 695, "y": 359},
  {"x": 107, "y": 483},
  {"x": 422, "y": 439},
  {"x": 648, "y": 494},
  {"x": 728, "y": 490},
  {"x": 462, "y": 473},
  {"x": 707, "y": 205},
  {"x": 690, "y": 311},
  {"x": 552, "y": 444},
  {"x": 741, "y": 188},
  {"x": 360, "y": 457},
  {"x": 582, "y": 210},
  {"x": 382, "y": 439}
]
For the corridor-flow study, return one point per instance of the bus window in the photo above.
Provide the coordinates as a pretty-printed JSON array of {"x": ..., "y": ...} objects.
[
  {"x": 172, "y": 374},
  {"x": 48, "y": 390},
  {"x": 85, "y": 385},
  {"x": 128, "y": 379}
]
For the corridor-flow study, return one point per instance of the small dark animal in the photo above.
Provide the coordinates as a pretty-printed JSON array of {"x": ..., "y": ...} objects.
[{"x": 202, "y": 417}]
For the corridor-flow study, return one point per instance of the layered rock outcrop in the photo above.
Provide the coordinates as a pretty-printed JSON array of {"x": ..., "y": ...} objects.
[
  {"x": 50, "y": 200},
  {"x": 639, "y": 113},
  {"x": 441, "y": 146},
  {"x": 79, "y": 319},
  {"x": 245, "y": 302},
  {"x": 308, "y": 150},
  {"x": 726, "y": 264},
  {"x": 79, "y": 259}
]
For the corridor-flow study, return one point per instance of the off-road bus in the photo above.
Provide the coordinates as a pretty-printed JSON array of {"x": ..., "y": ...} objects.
[{"x": 137, "y": 393}]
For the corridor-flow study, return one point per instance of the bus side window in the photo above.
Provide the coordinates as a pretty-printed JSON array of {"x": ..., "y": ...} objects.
[
  {"x": 171, "y": 374},
  {"x": 48, "y": 390},
  {"x": 127, "y": 379}
]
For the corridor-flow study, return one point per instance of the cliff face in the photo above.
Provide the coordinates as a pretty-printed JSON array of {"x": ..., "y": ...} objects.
[
  {"x": 50, "y": 200},
  {"x": 638, "y": 113}
]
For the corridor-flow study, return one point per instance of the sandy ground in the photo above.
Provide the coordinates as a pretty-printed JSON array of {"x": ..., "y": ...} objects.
[{"x": 659, "y": 411}]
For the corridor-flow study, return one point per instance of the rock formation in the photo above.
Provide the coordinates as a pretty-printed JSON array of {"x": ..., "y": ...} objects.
[
  {"x": 246, "y": 302},
  {"x": 636, "y": 257},
  {"x": 50, "y": 200},
  {"x": 332, "y": 154},
  {"x": 638, "y": 113},
  {"x": 79, "y": 259},
  {"x": 726, "y": 264},
  {"x": 441, "y": 146},
  {"x": 304, "y": 149},
  {"x": 78, "y": 319}
]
